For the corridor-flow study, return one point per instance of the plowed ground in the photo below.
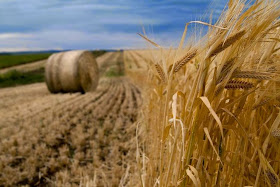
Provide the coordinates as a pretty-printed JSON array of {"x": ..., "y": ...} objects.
[{"x": 62, "y": 139}]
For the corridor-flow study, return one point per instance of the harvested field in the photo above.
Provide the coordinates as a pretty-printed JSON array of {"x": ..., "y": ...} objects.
[
  {"x": 61, "y": 139},
  {"x": 135, "y": 61},
  {"x": 114, "y": 64}
]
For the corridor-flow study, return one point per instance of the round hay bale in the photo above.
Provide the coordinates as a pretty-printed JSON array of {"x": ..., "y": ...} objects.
[{"x": 72, "y": 71}]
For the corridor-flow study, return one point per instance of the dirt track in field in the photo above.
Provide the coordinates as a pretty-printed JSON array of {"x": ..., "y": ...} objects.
[{"x": 58, "y": 139}]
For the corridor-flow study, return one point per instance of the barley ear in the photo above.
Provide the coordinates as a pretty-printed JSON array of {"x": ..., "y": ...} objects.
[
  {"x": 218, "y": 90},
  {"x": 276, "y": 133},
  {"x": 180, "y": 63},
  {"x": 263, "y": 102},
  {"x": 272, "y": 178},
  {"x": 160, "y": 72},
  {"x": 225, "y": 70},
  {"x": 252, "y": 75},
  {"x": 235, "y": 84},
  {"x": 223, "y": 45}
]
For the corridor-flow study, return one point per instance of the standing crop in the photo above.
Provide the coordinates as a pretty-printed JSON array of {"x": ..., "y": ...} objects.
[{"x": 214, "y": 120}]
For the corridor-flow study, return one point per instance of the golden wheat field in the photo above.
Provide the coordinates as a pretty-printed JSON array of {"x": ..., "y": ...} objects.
[{"x": 205, "y": 113}]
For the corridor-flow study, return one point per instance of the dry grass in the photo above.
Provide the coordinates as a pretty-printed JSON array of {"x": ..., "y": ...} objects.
[{"x": 216, "y": 120}]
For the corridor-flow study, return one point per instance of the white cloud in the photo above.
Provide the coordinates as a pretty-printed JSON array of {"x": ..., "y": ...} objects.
[
  {"x": 17, "y": 49},
  {"x": 50, "y": 39},
  {"x": 4, "y": 36},
  {"x": 66, "y": 39}
]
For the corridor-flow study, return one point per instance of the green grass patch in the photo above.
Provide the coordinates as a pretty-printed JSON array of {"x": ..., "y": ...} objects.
[
  {"x": 9, "y": 60},
  {"x": 114, "y": 72},
  {"x": 14, "y": 78}
]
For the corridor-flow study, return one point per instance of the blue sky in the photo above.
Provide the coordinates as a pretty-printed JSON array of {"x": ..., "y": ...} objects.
[{"x": 91, "y": 24}]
